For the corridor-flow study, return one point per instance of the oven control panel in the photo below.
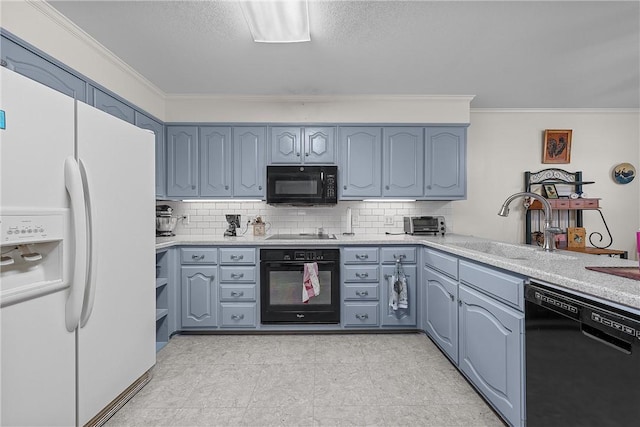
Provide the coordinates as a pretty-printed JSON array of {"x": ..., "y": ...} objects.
[{"x": 300, "y": 255}]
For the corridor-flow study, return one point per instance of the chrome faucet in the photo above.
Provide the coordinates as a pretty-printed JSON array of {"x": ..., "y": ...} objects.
[{"x": 549, "y": 229}]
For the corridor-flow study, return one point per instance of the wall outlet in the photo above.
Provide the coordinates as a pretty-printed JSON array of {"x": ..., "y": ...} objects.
[
  {"x": 388, "y": 220},
  {"x": 355, "y": 220}
]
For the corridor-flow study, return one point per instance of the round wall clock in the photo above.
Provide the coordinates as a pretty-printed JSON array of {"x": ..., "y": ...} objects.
[{"x": 624, "y": 173}]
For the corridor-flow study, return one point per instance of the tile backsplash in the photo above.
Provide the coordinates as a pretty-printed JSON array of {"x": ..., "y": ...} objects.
[{"x": 208, "y": 217}]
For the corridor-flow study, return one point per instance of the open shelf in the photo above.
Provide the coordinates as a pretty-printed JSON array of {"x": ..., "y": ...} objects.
[
  {"x": 161, "y": 313},
  {"x": 162, "y": 299}
]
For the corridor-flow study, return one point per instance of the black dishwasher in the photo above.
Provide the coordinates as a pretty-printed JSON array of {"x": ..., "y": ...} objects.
[{"x": 582, "y": 361}]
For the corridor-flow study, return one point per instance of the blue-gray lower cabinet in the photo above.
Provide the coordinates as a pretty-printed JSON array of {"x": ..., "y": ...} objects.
[
  {"x": 182, "y": 161},
  {"x": 403, "y": 161},
  {"x": 491, "y": 351},
  {"x": 157, "y": 128},
  {"x": 441, "y": 311},
  {"x": 360, "y": 161},
  {"x": 199, "y": 296},
  {"x": 23, "y": 61},
  {"x": 249, "y": 161},
  {"x": 445, "y": 163}
]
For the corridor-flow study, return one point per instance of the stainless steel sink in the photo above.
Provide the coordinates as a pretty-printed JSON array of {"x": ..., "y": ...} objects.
[
  {"x": 511, "y": 251},
  {"x": 302, "y": 236}
]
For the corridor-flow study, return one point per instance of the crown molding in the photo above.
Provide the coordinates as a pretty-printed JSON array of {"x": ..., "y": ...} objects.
[
  {"x": 320, "y": 98},
  {"x": 556, "y": 110},
  {"x": 66, "y": 24}
]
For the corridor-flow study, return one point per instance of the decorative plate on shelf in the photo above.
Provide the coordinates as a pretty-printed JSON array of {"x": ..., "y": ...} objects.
[{"x": 624, "y": 173}]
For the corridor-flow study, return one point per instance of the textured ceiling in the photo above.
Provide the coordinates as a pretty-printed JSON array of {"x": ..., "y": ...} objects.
[{"x": 510, "y": 54}]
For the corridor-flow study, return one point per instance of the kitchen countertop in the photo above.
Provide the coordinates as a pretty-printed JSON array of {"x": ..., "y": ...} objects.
[{"x": 562, "y": 268}]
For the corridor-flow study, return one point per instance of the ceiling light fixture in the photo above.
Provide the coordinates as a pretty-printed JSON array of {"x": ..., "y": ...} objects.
[{"x": 277, "y": 21}]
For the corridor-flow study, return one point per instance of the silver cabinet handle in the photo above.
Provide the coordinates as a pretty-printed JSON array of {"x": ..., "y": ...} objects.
[
  {"x": 237, "y": 316},
  {"x": 386, "y": 187},
  {"x": 452, "y": 297},
  {"x": 362, "y": 293},
  {"x": 364, "y": 316},
  {"x": 401, "y": 256},
  {"x": 197, "y": 257},
  {"x": 298, "y": 154},
  {"x": 345, "y": 187},
  {"x": 193, "y": 187},
  {"x": 362, "y": 275},
  {"x": 306, "y": 154},
  {"x": 364, "y": 256},
  {"x": 237, "y": 293},
  {"x": 226, "y": 187},
  {"x": 237, "y": 275},
  {"x": 236, "y": 257},
  {"x": 259, "y": 187}
]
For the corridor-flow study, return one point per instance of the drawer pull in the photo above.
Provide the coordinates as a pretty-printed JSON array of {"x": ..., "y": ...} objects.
[
  {"x": 237, "y": 275},
  {"x": 401, "y": 256},
  {"x": 362, "y": 275},
  {"x": 237, "y": 316},
  {"x": 362, "y": 293},
  {"x": 364, "y": 316},
  {"x": 363, "y": 256},
  {"x": 197, "y": 257},
  {"x": 236, "y": 257},
  {"x": 452, "y": 297},
  {"x": 237, "y": 293}
]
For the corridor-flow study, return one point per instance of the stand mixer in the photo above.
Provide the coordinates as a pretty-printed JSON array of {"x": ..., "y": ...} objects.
[{"x": 234, "y": 224}]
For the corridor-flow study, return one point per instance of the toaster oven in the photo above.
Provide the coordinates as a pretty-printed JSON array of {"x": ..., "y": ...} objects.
[{"x": 424, "y": 225}]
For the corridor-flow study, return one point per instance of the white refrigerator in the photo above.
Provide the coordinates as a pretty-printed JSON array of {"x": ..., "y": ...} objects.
[{"x": 77, "y": 282}]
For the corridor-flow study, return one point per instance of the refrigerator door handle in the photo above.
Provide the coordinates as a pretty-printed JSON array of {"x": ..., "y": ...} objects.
[
  {"x": 90, "y": 293},
  {"x": 73, "y": 183}
]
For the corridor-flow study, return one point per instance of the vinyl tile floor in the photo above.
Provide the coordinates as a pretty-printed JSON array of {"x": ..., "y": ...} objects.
[{"x": 305, "y": 380}]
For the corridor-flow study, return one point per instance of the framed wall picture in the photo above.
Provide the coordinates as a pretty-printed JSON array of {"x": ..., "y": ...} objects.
[
  {"x": 550, "y": 191},
  {"x": 557, "y": 146}
]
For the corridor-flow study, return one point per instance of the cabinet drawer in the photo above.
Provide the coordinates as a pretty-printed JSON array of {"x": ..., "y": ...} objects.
[
  {"x": 232, "y": 292},
  {"x": 237, "y": 256},
  {"x": 360, "y": 255},
  {"x": 237, "y": 274},
  {"x": 362, "y": 292},
  {"x": 199, "y": 255},
  {"x": 503, "y": 286},
  {"x": 238, "y": 315},
  {"x": 390, "y": 254},
  {"x": 361, "y": 314},
  {"x": 441, "y": 262},
  {"x": 361, "y": 273}
]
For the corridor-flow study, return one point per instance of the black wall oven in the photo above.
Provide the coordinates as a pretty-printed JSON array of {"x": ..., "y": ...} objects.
[{"x": 281, "y": 284}]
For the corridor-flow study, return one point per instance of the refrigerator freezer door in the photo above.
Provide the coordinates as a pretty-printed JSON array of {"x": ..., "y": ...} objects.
[
  {"x": 37, "y": 351},
  {"x": 116, "y": 345}
]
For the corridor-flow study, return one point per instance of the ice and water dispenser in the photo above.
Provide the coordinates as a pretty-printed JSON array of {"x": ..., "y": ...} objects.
[{"x": 33, "y": 256}]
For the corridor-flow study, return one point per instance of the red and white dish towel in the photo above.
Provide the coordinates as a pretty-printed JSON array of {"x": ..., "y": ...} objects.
[{"x": 310, "y": 281}]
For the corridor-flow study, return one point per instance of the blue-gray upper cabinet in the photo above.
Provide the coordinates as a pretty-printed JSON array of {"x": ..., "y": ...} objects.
[
  {"x": 182, "y": 161},
  {"x": 307, "y": 145},
  {"x": 403, "y": 161},
  {"x": 491, "y": 350},
  {"x": 35, "y": 67},
  {"x": 445, "y": 163},
  {"x": 360, "y": 161},
  {"x": 111, "y": 105},
  {"x": 145, "y": 122},
  {"x": 249, "y": 161},
  {"x": 215, "y": 161}
]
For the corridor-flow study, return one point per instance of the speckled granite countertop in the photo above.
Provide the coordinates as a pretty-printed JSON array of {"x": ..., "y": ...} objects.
[{"x": 562, "y": 268}]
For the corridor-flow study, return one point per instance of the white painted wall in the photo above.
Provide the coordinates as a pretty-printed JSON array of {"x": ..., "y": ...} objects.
[{"x": 504, "y": 144}]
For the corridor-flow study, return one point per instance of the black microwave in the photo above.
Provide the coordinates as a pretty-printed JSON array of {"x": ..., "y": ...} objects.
[{"x": 302, "y": 185}]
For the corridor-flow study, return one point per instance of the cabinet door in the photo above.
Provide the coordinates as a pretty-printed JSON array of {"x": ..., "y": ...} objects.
[
  {"x": 400, "y": 317},
  {"x": 198, "y": 292},
  {"x": 182, "y": 161},
  {"x": 111, "y": 105},
  {"x": 361, "y": 154},
  {"x": 403, "y": 162},
  {"x": 249, "y": 162},
  {"x": 491, "y": 351},
  {"x": 319, "y": 145},
  {"x": 285, "y": 145},
  {"x": 35, "y": 67},
  {"x": 145, "y": 122},
  {"x": 445, "y": 163},
  {"x": 441, "y": 311},
  {"x": 215, "y": 161}
]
